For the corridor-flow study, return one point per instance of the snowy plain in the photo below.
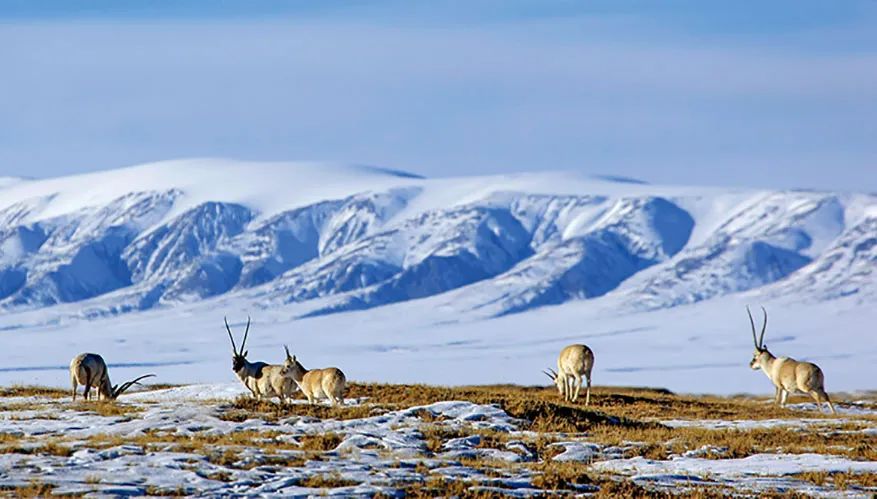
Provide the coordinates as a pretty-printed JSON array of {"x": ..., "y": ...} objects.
[{"x": 149, "y": 448}]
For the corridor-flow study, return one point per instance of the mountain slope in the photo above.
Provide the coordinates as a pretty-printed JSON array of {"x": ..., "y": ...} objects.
[{"x": 351, "y": 237}]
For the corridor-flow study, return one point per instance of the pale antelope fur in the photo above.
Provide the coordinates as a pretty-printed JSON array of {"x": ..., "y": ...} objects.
[
  {"x": 262, "y": 379},
  {"x": 328, "y": 383},
  {"x": 573, "y": 363},
  {"x": 90, "y": 371},
  {"x": 787, "y": 374}
]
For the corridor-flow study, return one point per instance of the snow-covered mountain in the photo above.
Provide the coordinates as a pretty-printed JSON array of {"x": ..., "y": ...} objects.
[{"x": 358, "y": 237}]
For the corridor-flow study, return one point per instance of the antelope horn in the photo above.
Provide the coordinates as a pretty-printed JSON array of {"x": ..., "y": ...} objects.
[
  {"x": 752, "y": 323},
  {"x": 244, "y": 343},
  {"x": 234, "y": 348},
  {"x": 129, "y": 384},
  {"x": 549, "y": 375},
  {"x": 763, "y": 329},
  {"x": 288, "y": 356}
]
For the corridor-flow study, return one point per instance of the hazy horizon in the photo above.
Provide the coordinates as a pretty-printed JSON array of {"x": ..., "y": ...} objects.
[{"x": 781, "y": 95}]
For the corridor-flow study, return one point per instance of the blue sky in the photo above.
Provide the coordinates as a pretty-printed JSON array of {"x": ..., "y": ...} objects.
[{"x": 774, "y": 94}]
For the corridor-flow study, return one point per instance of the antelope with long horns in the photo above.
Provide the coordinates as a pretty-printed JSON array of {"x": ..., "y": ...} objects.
[
  {"x": 328, "y": 383},
  {"x": 261, "y": 378},
  {"x": 573, "y": 362},
  {"x": 90, "y": 370},
  {"x": 787, "y": 374}
]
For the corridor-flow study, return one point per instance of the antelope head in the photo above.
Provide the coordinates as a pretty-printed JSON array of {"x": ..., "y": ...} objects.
[
  {"x": 760, "y": 349},
  {"x": 292, "y": 365},
  {"x": 118, "y": 390},
  {"x": 239, "y": 358},
  {"x": 557, "y": 379}
]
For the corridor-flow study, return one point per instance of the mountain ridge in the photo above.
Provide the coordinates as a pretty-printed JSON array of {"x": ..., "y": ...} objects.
[{"x": 360, "y": 237}]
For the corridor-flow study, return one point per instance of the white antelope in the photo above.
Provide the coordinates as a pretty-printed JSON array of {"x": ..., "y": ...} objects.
[
  {"x": 90, "y": 370},
  {"x": 787, "y": 374},
  {"x": 261, "y": 378},
  {"x": 328, "y": 383},
  {"x": 573, "y": 362}
]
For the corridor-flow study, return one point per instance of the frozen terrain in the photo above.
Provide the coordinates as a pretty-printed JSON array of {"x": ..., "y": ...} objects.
[
  {"x": 405, "y": 279},
  {"x": 192, "y": 440}
]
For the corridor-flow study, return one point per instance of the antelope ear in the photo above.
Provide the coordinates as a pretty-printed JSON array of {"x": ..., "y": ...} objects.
[{"x": 245, "y": 353}]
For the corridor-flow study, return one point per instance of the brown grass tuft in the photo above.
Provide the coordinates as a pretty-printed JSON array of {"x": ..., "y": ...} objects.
[
  {"x": 840, "y": 480},
  {"x": 106, "y": 408},
  {"x": 35, "y": 488},
  {"x": 321, "y": 442},
  {"x": 327, "y": 481},
  {"x": 245, "y": 407},
  {"x": 32, "y": 391}
]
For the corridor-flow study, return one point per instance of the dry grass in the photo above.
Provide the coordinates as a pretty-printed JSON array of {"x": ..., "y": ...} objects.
[
  {"x": 35, "y": 489},
  {"x": 840, "y": 480},
  {"x": 7, "y": 438},
  {"x": 616, "y": 416},
  {"x": 663, "y": 441},
  {"x": 540, "y": 406},
  {"x": 438, "y": 486},
  {"x": 195, "y": 442},
  {"x": 106, "y": 408},
  {"x": 32, "y": 391},
  {"x": 246, "y": 407},
  {"x": 435, "y": 435},
  {"x": 321, "y": 442},
  {"x": 154, "y": 491},
  {"x": 327, "y": 481},
  {"x": 225, "y": 449},
  {"x": 50, "y": 448},
  {"x": 21, "y": 405},
  {"x": 556, "y": 479}
]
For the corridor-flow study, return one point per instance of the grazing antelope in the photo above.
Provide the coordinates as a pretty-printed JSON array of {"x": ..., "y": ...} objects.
[
  {"x": 90, "y": 370},
  {"x": 573, "y": 362},
  {"x": 787, "y": 374},
  {"x": 328, "y": 383},
  {"x": 261, "y": 378}
]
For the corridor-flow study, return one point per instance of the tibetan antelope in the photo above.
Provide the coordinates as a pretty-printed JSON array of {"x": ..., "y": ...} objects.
[
  {"x": 90, "y": 370},
  {"x": 261, "y": 378},
  {"x": 328, "y": 383},
  {"x": 787, "y": 374},
  {"x": 573, "y": 362}
]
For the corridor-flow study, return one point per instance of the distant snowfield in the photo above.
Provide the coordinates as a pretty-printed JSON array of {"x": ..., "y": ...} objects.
[
  {"x": 141, "y": 264},
  {"x": 702, "y": 348}
]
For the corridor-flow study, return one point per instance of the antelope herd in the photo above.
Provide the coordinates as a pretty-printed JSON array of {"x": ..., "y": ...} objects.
[{"x": 574, "y": 362}]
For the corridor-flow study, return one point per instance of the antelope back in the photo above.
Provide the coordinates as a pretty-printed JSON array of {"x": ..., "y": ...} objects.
[
  {"x": 328, "y": 380},
  {"x": 89, "y": 368},
  {"x": 575, "y": 359},
  {"x": 805, "y": 376}
]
